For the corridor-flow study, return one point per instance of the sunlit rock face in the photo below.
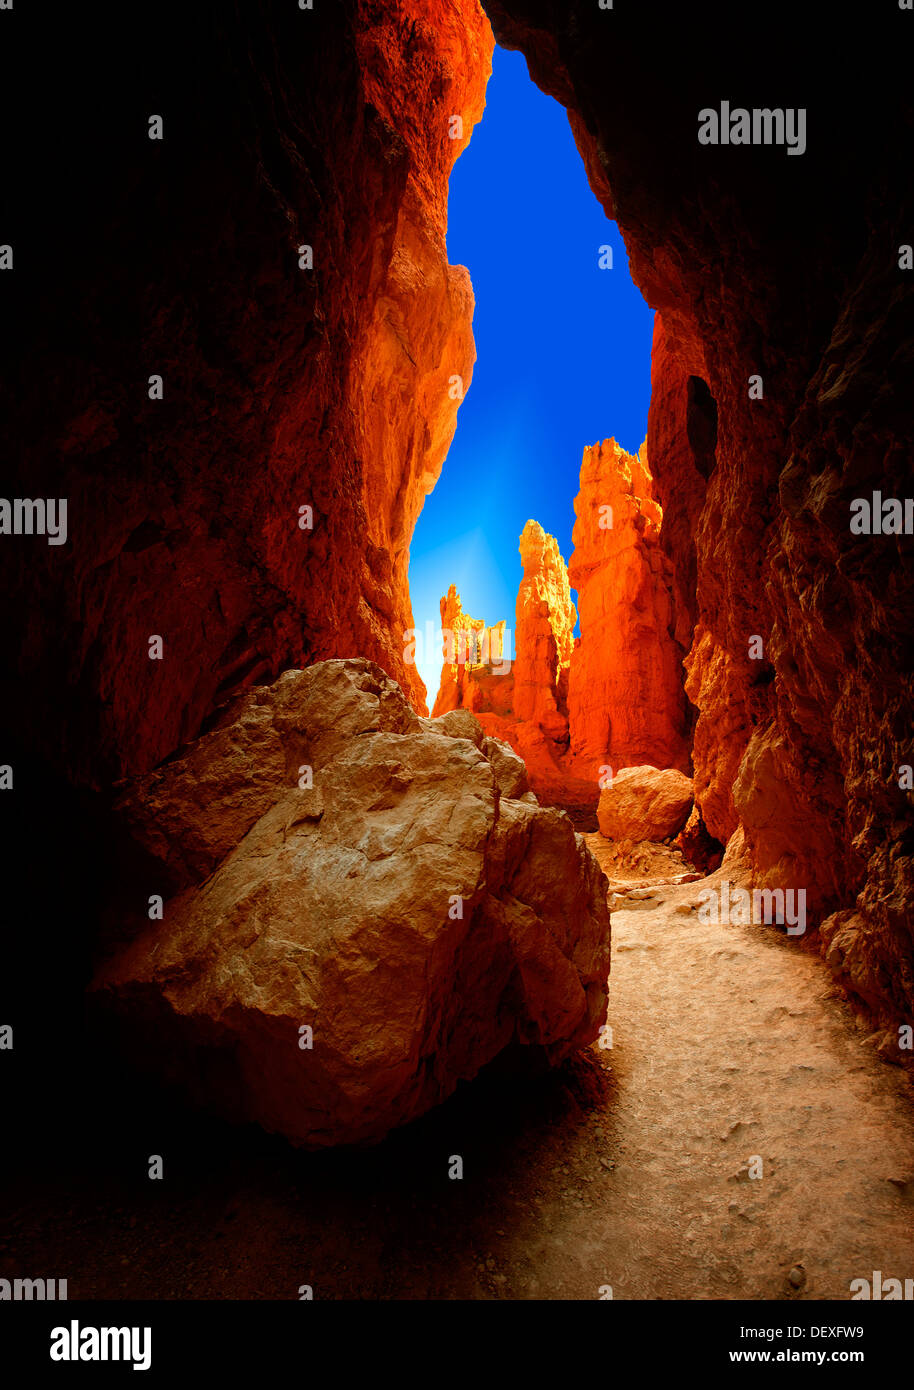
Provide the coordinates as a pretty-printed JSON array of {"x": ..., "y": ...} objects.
[
  {"x": 645, "y": 803},
  {"x": 343, "y": 946},
  {"x": 545, "y": 621},
  {"x": 517, "y": 684},
  {"x": 625, "y": 696},
  {"x": 763, "y": 264},
  {"x": 283, "y": 387},
  {"x": 613, "y": 697},
  {"x": 477, "y": 672}
]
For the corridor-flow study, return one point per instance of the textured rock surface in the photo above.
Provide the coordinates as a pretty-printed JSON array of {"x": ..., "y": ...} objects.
[
  {"x": 329, "y": 127},
  {"x": 545, "y": 620},
  {"x": 760, "y": 265},
  {"x": 282, "y": 387},
  {"x": 525, "y": 700},
  {"x": 414, "y": 907},
  {"x": 477, "y": 672},
  {"x": 613, "y": 696},
  {"x": 625, "y": 697},
  {"x": 682, "y": 428},
  {"x": 645, "y": 803},
  {"x": 698, "y": 844}
]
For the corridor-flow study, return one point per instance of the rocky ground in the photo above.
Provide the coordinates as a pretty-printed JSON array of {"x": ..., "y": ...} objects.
[{"x": 628, "y": 1167}]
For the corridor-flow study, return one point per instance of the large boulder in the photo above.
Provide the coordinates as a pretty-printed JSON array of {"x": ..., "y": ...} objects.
[
  {"x": 644, "y": 803},
  {"x": 413, "y": 907}
]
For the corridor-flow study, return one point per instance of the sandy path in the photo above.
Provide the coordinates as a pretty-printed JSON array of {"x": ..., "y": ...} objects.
[
  {"x": 731, "y": 1042},
  {"x": 626, "y": 1168}
]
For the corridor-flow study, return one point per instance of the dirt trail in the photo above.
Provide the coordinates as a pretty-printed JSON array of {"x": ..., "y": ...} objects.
[
  {"x": 627, "y": 1168},
  {"x": 731, "y": 1042}
]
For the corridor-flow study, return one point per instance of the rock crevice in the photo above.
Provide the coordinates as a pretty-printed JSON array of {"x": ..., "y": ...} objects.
[{"x": 762, "y": 270}]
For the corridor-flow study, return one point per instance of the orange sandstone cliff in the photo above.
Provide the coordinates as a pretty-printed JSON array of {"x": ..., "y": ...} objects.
[
  {"x": 761, "y": 269},
  {"x": 287, "y": 383},
  {"x": 612, "y": 697},
  {"x": 625, "y": 697},
  {"x": 477, "y": 671},
  {"x": 522, "y": 701}
]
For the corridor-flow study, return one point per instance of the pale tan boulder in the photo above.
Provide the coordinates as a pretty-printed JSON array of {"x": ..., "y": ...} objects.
[
  {"x": 409, "y": 908},
  {"x": 645, "y": 803}
]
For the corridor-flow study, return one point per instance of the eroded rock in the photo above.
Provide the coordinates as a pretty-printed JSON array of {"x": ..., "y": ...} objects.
[
  {"x": 614, "y": 697},
  {"x": 627, "y": 706},
  {"x": 284, "y": 386},
  {"x": 408, "y": 902},
  {"x": 797, "y": 664},
  {"x": 644, "y": 803}
]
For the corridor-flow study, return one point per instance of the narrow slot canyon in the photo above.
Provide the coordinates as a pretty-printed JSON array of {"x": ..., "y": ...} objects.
[{"x": 457, "y": 802}]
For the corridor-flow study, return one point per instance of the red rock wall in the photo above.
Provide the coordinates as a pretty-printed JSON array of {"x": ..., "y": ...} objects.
[
  {"x": 477, "y": 672},
  {"x": 519, "y": 689},
  {"x": 179, "y": 257},
  {"x": 545, "y": 620},
  {"x": 625, "y": 697},
  {"x": 682, "y": 428},
  {"x": 282, "y": 387},
  {"x": 613, "y": 696},
  {"x": 785, "y": 267}
]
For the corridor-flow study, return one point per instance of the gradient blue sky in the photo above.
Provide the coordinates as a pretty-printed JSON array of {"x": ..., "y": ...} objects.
[{"x": 563, "y": 354}]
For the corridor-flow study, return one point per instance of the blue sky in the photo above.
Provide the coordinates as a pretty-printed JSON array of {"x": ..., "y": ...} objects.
[{"x": 563, "y": 353}]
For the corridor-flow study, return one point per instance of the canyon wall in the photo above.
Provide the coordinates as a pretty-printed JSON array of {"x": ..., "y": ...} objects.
[
  {"x": 477, "y": 672},
  {"x": 517, "y": 684},
  {"x": 612, "y": 697},
  {"x": 174, "y": 369},
  {"x": 177, "y": 368},
  {"x": 625, "y": 695},
  {"x": 786, "y": 268}
]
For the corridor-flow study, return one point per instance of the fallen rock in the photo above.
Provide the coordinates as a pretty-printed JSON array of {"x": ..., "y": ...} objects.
[
  {"x": 367, "y": 913},
  {"x": 644, "y": 803}
]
